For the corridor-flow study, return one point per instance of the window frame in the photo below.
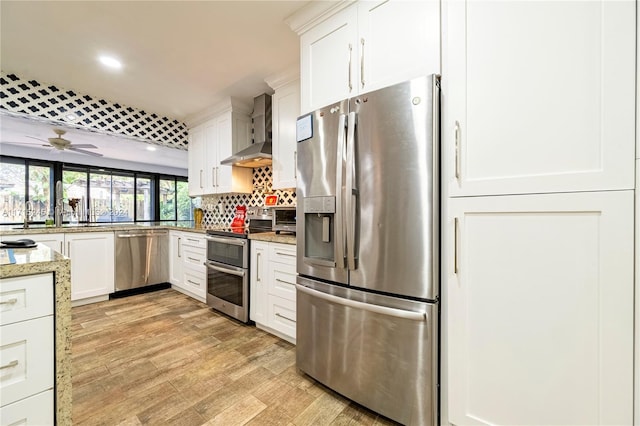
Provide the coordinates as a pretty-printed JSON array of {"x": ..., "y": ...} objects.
[
  {"x": 27, "y": 163},
  {"x": 57, "y": 169}
]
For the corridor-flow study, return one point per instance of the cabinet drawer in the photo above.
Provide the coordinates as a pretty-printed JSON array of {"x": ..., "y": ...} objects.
[
  {"x": 283, "y": 281},
  {"x": 282, "y": 316},
  {"x": 35, "y": 410},
  {"x": 195, "y": 280},
  {"x": 283, "y": 253},
  {"x": 191, "y": 240},
  {"x": 194, "y": 255},
  {"x": 26, "y": 358},
  {"x": 24, "y": 298}
]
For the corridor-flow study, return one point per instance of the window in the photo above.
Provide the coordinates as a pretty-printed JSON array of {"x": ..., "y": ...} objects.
[
  {"x": 185, "y": 203},
  {"x": 22, "y": 180},
  {"x": 144, "y": 198},
  {"x": 89, "y": 194},
  {"x": 167, "y": 199},
  {"x": 175, "y": 203},
  {"x": 122, "y": 198}
]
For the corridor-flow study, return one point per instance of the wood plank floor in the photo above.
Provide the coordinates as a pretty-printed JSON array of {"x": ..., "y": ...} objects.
[{"x": 163, "y": 358}]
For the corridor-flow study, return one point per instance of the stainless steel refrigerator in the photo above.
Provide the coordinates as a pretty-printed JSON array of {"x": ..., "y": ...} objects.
[{"x": 368, "y": 249}]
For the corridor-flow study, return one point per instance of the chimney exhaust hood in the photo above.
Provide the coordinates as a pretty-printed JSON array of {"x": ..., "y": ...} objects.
[{"x": 257, "y": 154}]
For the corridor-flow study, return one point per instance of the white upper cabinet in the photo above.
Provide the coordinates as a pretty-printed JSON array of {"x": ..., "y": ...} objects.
[
  {"x": 327, "y": 57},
  {"x": 286, "y": 109},
  {"x": 196, "y": 161},
  {"x": 539, "y": 299},
  {"x": 397, "y": 41},
  {"x": 212, "y": 141},
  {"x": 367, "y": 46},
  {"x": 539, "y": 96}
]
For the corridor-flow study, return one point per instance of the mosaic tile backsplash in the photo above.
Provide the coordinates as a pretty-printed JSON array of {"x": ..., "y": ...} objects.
[
  {"x": 33, "y": 99},
  {"x": 220, "y": 209}
]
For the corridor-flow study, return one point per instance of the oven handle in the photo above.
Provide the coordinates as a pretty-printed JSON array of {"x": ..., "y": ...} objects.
[
  {"x": 233, "y": 241},
  {"x": 240, "y": 273}
]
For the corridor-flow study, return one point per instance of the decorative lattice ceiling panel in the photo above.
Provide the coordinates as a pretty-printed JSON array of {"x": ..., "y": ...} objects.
[{"x": 30, "y": 98}]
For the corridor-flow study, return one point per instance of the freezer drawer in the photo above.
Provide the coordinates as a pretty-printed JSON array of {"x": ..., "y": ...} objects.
[{"x": 379, "y": 351}]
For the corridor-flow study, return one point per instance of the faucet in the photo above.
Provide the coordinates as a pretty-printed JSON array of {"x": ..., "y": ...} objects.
[
  {"x": 28, "y": 211},
  {"x": 59, "y": 207}
]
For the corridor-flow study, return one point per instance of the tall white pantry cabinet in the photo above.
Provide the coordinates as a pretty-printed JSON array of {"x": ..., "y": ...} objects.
[{"x": 538, "y": 131}]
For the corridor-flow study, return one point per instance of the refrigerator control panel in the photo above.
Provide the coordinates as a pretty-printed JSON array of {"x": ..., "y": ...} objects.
[{"x": 320, "y": 204}]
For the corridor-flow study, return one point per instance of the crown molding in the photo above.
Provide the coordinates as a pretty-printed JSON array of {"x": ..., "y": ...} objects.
[
  {"x": 313, "y": 13},
  {"x": 276, "y": 81},
  {"x": 228, "y": 104}
]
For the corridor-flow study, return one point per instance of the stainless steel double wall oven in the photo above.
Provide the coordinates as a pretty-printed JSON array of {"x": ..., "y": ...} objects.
[{"x": 228, "y": 268}]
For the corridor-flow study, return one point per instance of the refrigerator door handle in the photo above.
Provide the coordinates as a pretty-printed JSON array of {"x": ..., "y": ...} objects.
[
  {"x": 340, "y": 234},
  {"x": 384, "y": 310},
  {"x": 350, "y": 191}
]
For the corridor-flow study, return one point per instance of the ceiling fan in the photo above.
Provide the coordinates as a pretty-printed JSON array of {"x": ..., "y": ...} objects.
[{"x": 61, "y": 144}]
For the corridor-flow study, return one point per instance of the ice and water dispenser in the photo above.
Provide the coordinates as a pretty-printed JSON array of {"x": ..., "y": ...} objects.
[{"x": 319, "y": 226}]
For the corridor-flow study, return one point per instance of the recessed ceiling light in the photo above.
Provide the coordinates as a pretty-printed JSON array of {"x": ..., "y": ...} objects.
[
  {"x": 71, "y": 117},
  {"x": 151, "y": 148},
  {"x": 110, "y": 62}
]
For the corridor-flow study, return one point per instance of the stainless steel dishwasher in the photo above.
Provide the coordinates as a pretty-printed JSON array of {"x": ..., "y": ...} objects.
[{"x": 142, "y": 258}]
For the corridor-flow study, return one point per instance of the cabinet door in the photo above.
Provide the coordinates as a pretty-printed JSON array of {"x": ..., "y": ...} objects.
[
  {"x": 397, "y": 41},
  {"x": 637, "y": 283},
  {"x": 195, "y": 281},
  {"x": 34, "y": 410},
  {"x": 210, "y": 153},
  {"x": 286, "y": 109},
  {"x": 328, "y": 60},
  {"x": 196, "y": 160},
  {"x": 539, "y": 293},
  {"x": 92, "y": 264},
  {"x": 540, "y": 96},
  {"x": 175, "y": 254},
  {"x": 259, "y": 277},
  {"x": 26, "y": 357},
  {"x": 53, "y": 241},
  {"x": 27, "y": 297}
]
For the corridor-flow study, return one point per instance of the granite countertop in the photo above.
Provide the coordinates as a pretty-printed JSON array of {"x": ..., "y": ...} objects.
[
  {"x": 272, "y": 237},
  {"x": 29, "y": 259},
  {"x": 41, "y": 260},
  {"x": 103, "y": 227}
]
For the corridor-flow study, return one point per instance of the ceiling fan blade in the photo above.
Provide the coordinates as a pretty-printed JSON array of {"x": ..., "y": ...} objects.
[
  {"x": 38, "y": 139},
  {"x": 35, "y": 145},
  {"x": 82, "y": 145},
  {"x": 82, "y": 151},
  {"x": 21, "y": 143}
]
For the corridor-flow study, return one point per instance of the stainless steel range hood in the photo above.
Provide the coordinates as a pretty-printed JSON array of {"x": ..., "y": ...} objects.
[{"x": 257, "y": 154}]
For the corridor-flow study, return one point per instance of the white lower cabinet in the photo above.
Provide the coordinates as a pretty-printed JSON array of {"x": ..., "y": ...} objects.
[
  {"x": 92, "y": 264},
  {"x": 36, "y": 410},
  {"x": 258, "y": 278},
  {"x": 539, "y": 295},
  {"x": 273, "y": 291},
  {"x": 92, "y": 261},
  {"x": 27, "y": 351},
  {"x": 188, "y": 252},
  {"x": 175, "y": 257}
]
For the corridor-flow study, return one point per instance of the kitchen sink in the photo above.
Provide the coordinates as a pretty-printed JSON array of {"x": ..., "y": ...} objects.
[{"x": 35, "y": 226}]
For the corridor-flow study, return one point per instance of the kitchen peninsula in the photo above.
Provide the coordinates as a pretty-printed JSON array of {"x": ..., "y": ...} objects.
[{"x": 35, "y": 268}]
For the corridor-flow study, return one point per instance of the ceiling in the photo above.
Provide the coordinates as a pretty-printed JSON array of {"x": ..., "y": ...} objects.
[
  {"x": 179, "y": 57},
  {"x": 121, "y": 153}
]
